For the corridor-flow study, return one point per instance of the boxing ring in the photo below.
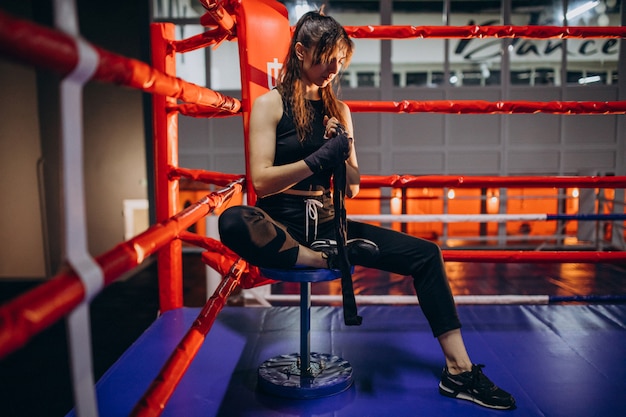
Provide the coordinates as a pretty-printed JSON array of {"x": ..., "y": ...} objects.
[{"x": 558, "y": 359}]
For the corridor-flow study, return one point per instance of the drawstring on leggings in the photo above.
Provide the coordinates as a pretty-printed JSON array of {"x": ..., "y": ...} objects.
[{"x": 311, "y": 214}]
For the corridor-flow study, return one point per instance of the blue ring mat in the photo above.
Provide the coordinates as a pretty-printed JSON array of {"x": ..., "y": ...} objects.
[{"x": 558, "y": 360}]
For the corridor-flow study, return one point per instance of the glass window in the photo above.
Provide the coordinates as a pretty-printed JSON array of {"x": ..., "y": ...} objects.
[
  {"x": 544, "y": 76},
  {"x": 543, "y": 58},
  {"x": 596, "y": 58},
  {"x": 396, "y": 79},
  {"x": 436, "y": 78},
  {"x": 366, "y": 58},
  {"x": 416, "y": 59},
  {"x": 471, "y": 77},
  {"x": 344, "y": 79},
  {"x": 416, "y": 79},
  {"x": 493, "y": 78},
  {"x": 573, "y": 77},
  {"x": 536, "y": 62},
  {"x": 366, "y": 79},
  {"x": 520, "y": 77},
  {"x": 472, "y": 61},
  {"x": 170, "y": 10},
  {"x": 420, "y": 62},
  {"x": 191, "y": 66}
]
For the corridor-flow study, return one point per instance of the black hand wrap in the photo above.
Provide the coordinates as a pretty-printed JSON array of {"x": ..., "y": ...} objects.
[
  {"x": 350, "y": 316},
  {"x": 333, "y": 152}
]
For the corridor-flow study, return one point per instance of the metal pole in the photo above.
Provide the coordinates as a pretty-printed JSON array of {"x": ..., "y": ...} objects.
[{"x": 305, "y": 328}]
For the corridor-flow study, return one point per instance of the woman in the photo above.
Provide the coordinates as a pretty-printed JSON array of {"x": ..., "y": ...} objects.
[{"x": 299, "y": 132}]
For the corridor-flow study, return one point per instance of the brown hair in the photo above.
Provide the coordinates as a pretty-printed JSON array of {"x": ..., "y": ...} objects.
[{"x": 325, "y": 35}]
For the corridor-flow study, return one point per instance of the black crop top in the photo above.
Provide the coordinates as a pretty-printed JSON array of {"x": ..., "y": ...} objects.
[{"x": 289, "y": 149}]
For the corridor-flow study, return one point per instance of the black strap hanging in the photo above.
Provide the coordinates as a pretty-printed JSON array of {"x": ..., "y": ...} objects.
[{"x": 350, "y": 316}]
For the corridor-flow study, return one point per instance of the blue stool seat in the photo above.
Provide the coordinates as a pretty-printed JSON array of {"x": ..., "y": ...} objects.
[{"x": 306, "y": 374}]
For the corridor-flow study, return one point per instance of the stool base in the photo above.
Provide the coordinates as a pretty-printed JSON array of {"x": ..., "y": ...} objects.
[{"x": 327, "y": 375}]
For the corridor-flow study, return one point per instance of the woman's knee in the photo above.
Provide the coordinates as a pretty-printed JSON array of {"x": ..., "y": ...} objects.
[
  {"x": 234, "y": 226},
  {"x": 433, "y": 250},
  {"x": 230, "y": 220}
]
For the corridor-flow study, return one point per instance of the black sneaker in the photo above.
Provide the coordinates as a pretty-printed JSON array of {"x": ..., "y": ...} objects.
[
  {"x": 356, "y": 248},
  {"x": 475, "y": 386}
]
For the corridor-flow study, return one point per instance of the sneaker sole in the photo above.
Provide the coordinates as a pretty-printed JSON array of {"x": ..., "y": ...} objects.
[
  {"x": 447, "y": 392},
  {"x": 362, "y": 240},
  {"x": 325, "y": 243}
]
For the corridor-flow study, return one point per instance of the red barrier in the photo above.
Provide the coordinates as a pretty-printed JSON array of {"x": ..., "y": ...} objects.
[
  {"x": 452, "y": 181},
  {"x": 221, "y": 259},
  {"x": 487, "y": 107},
  {"x": 194, "y": 110},
  {"x": 27, "y": 315},
  {"x": 208, "y": 177},
  {"x": 505, "y": 256},
  {"x": 263, "y": 39},
  {"x": 165, "y": 156},
  {"x": 154, "y": 400},
  {"x": 48, "y": 48},
  {"x": 473, "y": 31}
]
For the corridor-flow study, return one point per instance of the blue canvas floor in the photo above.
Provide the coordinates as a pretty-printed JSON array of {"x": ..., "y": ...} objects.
[{"x": 558, "y": 360}]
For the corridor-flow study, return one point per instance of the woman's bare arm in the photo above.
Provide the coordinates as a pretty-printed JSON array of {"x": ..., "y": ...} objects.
[
  {"x": 353, "y": 175},
  {"x": 268, "y": 179}
]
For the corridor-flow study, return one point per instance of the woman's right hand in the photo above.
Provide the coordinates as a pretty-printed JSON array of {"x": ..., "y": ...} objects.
[{"x": 333, "y": 152}]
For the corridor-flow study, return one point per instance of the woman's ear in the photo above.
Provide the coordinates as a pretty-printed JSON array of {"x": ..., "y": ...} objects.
[{"x": 300, "y": 49}]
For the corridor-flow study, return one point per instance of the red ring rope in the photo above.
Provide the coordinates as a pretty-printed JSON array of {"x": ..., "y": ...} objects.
[
  {"x": 154, "y": 400},
  {"x": 473, "y": 31},
  {"x": 48, "y": 48},
  {"x": 29, "y": 314},
  {"x": 487, "y": 107},
  {"x": 452, "y": 181},
  {"x": 504, "y": 256}
]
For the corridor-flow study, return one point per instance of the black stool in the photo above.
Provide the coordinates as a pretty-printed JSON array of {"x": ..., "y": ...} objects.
[{"x": 307, "y": 374}]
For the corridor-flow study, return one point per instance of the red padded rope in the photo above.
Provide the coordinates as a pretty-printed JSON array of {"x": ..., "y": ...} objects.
[
  {"x": 506, "y": 256},
  {"x": 156, "y": 397},
  {"x": 221, "y": 259},
  {"x": 453, "y": 181},
  {"x": 154, "y": 400},
  {"x": 488, "y": 107},
  {"x": 29, "y": 314},
  {"x": 209, "y": 177},
  {"x": 47, "y": 48},
  {"x": 473, "y": 31}
]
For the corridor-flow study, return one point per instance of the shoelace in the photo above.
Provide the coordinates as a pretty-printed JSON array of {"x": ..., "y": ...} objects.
[
  {"x": 479, "y": 380},
  {"x": 311, "y": 214}
]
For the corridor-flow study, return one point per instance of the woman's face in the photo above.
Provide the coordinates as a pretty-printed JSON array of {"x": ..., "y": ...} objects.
[{"x": 320, "y": 74}]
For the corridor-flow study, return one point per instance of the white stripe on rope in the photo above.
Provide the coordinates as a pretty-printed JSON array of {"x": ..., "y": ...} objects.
[
  {"x": 77, "y": 254},
  {"x": 446, "y": 218}
]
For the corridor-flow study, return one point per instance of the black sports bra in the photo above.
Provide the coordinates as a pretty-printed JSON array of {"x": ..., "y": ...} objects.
[{"x": 289, "y": 149}]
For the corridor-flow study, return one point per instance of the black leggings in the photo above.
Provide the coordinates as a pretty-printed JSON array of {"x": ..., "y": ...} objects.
[{"x": 255, "y": 236}]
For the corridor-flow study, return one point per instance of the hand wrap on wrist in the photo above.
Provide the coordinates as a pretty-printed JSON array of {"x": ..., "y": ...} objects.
[{"x": 332, "y": 153}]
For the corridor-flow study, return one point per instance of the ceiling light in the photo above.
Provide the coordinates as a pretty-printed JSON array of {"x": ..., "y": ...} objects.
[{"x": 583, "y": 8}]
